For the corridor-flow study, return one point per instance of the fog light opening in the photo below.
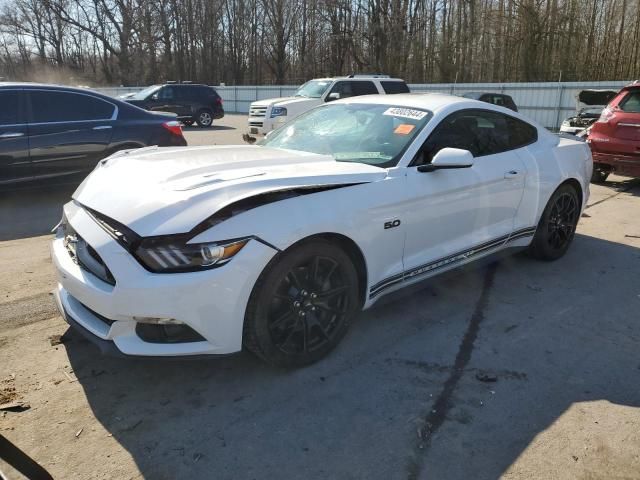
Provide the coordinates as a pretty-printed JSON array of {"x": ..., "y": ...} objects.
[{"x": 157, "y": 320}]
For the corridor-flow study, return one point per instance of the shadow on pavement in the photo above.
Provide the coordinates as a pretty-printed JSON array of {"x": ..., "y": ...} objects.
[
  {"x": 552, "y": 334},
  {"x": 31, "y": 212},
  {"x": 212, "y": 128}
]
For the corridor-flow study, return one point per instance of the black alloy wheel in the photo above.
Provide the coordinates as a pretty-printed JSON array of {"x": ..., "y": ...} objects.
[
  {"x": 557, "y": 225},
  {"x": 301, "y": 307}
]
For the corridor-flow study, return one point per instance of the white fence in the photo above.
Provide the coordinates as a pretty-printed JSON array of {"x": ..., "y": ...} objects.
[{"x": 548, "y": 102}]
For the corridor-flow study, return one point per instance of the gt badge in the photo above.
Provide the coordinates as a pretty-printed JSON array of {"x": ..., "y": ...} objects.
[{"x": 391, "y": 224}]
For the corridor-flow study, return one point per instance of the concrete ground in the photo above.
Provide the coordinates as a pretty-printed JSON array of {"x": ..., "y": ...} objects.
[{"x": 520, "y": 370}]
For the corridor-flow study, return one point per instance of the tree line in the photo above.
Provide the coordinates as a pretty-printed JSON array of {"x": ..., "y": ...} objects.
[{"x": 139, "y": 42}]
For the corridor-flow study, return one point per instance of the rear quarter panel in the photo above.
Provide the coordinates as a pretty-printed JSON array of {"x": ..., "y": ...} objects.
[{"x": 550, "y": 162}]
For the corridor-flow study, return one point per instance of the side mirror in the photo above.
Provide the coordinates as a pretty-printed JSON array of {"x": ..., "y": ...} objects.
[
  {"x": 333, "y": 96},
  {"x": 449, "y": 158}
]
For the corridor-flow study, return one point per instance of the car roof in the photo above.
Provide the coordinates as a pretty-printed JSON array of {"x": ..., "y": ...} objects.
[
  {"x": 428, "y": 101},
  {"x": 359, "y": 77},
  {"x": 41, "y": 85},
  {"x": 479, "y": 94}
]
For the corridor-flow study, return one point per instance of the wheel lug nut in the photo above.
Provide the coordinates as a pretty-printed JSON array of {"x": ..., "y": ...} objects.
[
  {"x": 296, "y": 304},
  {"x": 313, "y": 309},
  {"x": 301, "y": 313},
  {"x": 313, "y": 295}
]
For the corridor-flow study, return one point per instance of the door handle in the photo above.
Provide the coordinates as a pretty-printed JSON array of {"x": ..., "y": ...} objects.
[
  {"x": 512, "y": 174},
  {"x": 12, "y": 135},
  {"x": 102, "y": 127}
]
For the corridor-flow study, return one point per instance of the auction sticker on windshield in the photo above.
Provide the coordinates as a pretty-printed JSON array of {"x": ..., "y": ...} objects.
[{"x": 405, "y": 113}]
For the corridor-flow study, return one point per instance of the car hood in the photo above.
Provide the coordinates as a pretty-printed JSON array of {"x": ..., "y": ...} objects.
[
  {"x": 160, "y": 191},
  {"x": 284, "y": 101}
]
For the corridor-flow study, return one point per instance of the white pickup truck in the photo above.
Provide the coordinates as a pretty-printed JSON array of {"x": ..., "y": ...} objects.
[{"x": 267, "y": 115}]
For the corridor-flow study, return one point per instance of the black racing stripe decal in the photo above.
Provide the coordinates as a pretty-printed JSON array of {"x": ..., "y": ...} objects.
[
  {"x": 458, "y": 257},
  {"x": 387, "y": 280}
]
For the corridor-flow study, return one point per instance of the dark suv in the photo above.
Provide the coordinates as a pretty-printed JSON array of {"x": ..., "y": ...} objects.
[
  {"x": 51, "y": 134},
  {"x": 189, "y": 101},
  {"x": 495, "y": 98}
]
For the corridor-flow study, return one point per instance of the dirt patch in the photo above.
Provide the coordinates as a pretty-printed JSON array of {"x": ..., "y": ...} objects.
[{"x": 8, "y": 391}]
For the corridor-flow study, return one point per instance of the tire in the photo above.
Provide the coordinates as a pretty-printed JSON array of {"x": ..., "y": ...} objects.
[
  {"x": 557, "y": 226},
  {"x": 599, "y": 174},
  {"x": 302, "y": 304},
  {"x": 204, "y": 118}
]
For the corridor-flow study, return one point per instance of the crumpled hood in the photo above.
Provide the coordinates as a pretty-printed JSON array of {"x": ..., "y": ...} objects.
[{"x": 160, "y": 191}]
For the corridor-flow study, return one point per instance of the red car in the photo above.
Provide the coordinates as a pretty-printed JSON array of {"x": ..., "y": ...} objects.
[{"x": 615, "y": 137}]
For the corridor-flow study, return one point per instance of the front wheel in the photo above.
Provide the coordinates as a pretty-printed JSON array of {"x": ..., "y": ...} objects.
[
  {"x": 204, "y": 118},
  {"x": 557, "y": 225},
  {"x": 301, "y": 306}
]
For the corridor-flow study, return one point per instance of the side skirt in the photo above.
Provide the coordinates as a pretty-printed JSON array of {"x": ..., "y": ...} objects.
[{"x": 409, "y": 277}]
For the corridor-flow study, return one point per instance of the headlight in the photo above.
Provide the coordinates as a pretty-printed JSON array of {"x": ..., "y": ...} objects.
[
  {"x": 278, "y": 112},
  {"x": 172, "y": 254}
]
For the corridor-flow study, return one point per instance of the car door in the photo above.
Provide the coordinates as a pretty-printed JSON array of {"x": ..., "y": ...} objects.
[
  {"x": 454, "y": 215},
  {"x": 68, "y": 131},
  {"x": 166, "y": 100},
  {"x": 14, "y": 143}
]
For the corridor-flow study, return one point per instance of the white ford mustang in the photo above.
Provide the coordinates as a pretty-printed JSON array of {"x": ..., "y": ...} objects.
[{"x": 186, "y": 251}]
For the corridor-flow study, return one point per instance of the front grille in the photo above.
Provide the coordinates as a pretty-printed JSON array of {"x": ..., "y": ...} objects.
[
  {"x": 85, "y": 256},
  {"x": 257, "y": 111},
  {"x": 254, "y": 123}
]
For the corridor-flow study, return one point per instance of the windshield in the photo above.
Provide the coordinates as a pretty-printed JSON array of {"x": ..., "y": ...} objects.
[
  {"x": 313, "y": 88},
  {"x": 143, "y": 94},
  {"x": 363, "y": 133}
]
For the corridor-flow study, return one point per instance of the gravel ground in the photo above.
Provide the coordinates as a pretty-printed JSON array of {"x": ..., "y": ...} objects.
[{"x": 521, "y": 370}]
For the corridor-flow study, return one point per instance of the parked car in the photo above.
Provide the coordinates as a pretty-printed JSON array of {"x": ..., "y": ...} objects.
[
  {"x": 54, "y": 134},
  {"x": 267, "y": 115},
  {"x": 584, "y": 119},
  {"x": 589, "y": 106},
  {"x": 499, "y": 99},
  {"x": 191, "y": 102},
  {"x": 615, "y": 137},
  {"x": 276, "y": 246}
]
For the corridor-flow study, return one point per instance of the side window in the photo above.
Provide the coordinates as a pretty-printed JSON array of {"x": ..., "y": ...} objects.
[
  {"x": 345, "y": 89},
  {"x": 10, "y": 108},
  {"x": 631, "y": 103},
  {"x": 53, "y": 106},
  {"x": 521, "y": 133},
  {"x": 479, "y": 131},
  {"x": 499, "y": 100},
  {"x": 394, "y": 87},
  {"x": 207, "y": 92},
  {"x": 364, "y": 88},
  {"x": 167, "y": 93}
]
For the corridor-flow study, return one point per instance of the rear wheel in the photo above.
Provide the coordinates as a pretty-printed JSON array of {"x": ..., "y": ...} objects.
[
  {"x": 204, "y": 118},
  {"x": 557, "y": 225},
  {"x": 301, "y": 307}
]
